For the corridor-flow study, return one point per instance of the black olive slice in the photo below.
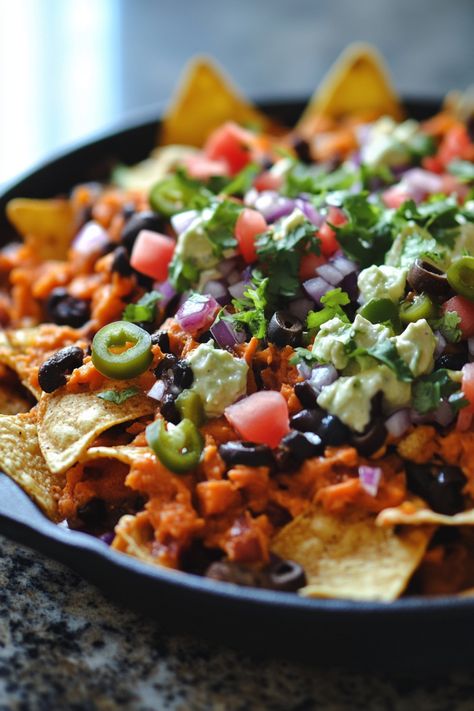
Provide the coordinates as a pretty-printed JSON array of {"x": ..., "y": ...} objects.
[
  {"x": 426, "y": 277},
  {"x": 369, "y": 441},
  {"x": 285, "y": 329},
  {"x": 145, "y": 220}
]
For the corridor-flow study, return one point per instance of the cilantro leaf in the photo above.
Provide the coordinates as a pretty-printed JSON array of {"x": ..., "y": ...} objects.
[
  {"x": 250, "y": 309},
  {"x": 219, "y": 227},
  {"x": 448, "y": 326},
  {"x": 429, "y": 391},
  {"x": 241, "y": 182},
  {"x": 439, "y": 215},
  {"x": 386, "y": 353},
  {"x": 332, "y": 301},
  {"x": 183, "y": 273},
  {"x": 463, "y": 170},
  {"x": 118, "y": 396},
  {"x": 303, "y": 355},
  {"x": 144, "y": 309},
  {"x": 302, "y": 178}
]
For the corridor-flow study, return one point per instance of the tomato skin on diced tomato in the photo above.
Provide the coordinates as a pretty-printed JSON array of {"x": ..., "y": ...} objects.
[
  {"x": 327, "y": 235},
  {"x": 202, "y": 168},
  {"x": 268, "y": 181},
  {"x": 465, "y": 310},
  {"x": 261, "y": 417},
  {"x": 249, "y": 225},
  {"x": 232, "y": 144},
  {"x": 152, "y": 254},
  {"x": 394, "y": 197},
  {"x": 308, "y": 265},
  {"x": 468, "y": 386}
]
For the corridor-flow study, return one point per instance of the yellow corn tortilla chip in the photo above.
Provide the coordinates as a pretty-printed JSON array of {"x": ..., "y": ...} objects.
[
  {"x": 13, "y": 402},
  {"x": 47, "y": 226},
  {"x": 422, "y": 516},
  {"x": 133, "y": 539},
  {"x": 204, "y": 100},
  {"x": 21, "y": 459},
  {"x": 68, "y": 422},
  {"x": 348, "y": 556},
  {"x": 357, "y": 83}
]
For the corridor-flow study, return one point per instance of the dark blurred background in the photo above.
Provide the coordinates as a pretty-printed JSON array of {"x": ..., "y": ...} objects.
[{"x": 71, "y": 68}]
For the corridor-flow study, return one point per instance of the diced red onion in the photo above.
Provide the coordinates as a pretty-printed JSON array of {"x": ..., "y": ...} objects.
[
  {"x": 218, "y": 290},
  {"x": 369, "y": 478},
  {"x": 330, "y": 274},
  {"x": 167, "y": 291},
  {"x": 107, "y": 537},
  {"x": 321, "y": 376},
  {"x": 226, "y": 266},
  {"x": 157, "y": 391},
  {"x": 470, "y": 346},
  {"x": 418, "y": 183},
  {"x": 237, "y": 290},
  {"x": 91, "y": 239},
  {"x": 418, "y": 419},
  {"x": 181, "y": 221},
  {"x": 309, "y": 212},
  {"x": 273, "y": 206},
  {"x": 300, "y": 308},
  {"x": 225, "y": 334},
  {"x": 344, "y": 265},
  {"x": 197, "y": 313},
  {"x": 440, "y": 344},
  {"x": 304, "y": 370},
  {"x": 349, "y": 285},
  {"x": 443, "y": 414},
  {"x": 233, "y": 277},
  {"x": 398, "y": 423},
  {"x": 316, "y": 288}
]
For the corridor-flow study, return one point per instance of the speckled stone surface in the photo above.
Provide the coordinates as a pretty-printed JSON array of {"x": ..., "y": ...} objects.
[{"x": 64, "y": 646}]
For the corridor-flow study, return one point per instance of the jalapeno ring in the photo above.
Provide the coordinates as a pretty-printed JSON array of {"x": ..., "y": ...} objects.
[
  {"x": 179, "y": 448},
  {"x": 125, "y": 362},
  {"x": 461, "y": 276}
]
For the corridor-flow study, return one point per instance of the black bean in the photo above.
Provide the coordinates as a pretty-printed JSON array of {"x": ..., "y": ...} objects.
[
  {"x": 307, "y": 420},
  {"x": 306, "y": 395},
  {"x": 183, "y": 375},
  {"x": 169, "y": 410},
  {"x": 161, "y": 339},
  {"x": 128, "y": 210},
  {"x": 285, "y": 575},
  {"x": 166, "y": 366},
  {"x": 93, "y": 512},
  {"x": 302, "y": 149},
  {"x": 249, "y": 453},
  {"x": 369, "y": 441},
  {"x": 451, "y": 361},
  {"x": 52, "y": 373},
  {"x": 302, "y": 445},
  {"x": 145, "y": 220},
  {"x": 67, "y": 310},
  {"x": 285, "y": 329},
  {"x": 441, "y": 487},
  {"x": 121, "y": 262},
  {"x": 333, "y": 432}
]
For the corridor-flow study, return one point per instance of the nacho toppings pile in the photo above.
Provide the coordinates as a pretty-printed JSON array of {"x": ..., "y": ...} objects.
[{"x": 249, "y": 356}]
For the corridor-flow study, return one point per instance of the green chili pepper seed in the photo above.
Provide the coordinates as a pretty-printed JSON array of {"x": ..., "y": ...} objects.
[
  {"x": 179, "y": 448},
  {"x": 190, "y": 406},
  {"x": 169, "y": 196},
  {"x": 420, "y": 307},
  {"x": 461, "y": 276},
  {"x": 124, "y": 364}
]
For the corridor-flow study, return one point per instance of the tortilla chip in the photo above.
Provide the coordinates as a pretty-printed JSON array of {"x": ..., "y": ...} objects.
[
  {"x": 12, "y": 402},
  {"x": 68, "y": 422},
  {"x": 47, "y": 226},
  {"x": 128, "y": 454},
  {"x": 358, "y": 83},
  {"x": 206, "y": 99},
  {"x": 21, "y": 459},
  {"x": 133, "y": 536},
  {"x": 418, "y": 514},
  {"x": 350, "y": 557}
]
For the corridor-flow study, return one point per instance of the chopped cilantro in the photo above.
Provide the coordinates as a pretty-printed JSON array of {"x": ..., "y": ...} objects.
[
  {"x": 241, "y": 182},
  {"x": 463, "y": 170},
  {"x": 439, "y": 215},
  {"x": 302, "y": 178},
  {"x": 332, "y": 301},
  {"x": 429, "y": 391},
  {"x": 118, "y": 396},
  {"x": 448, "y": 326},
  {"x": 387, "y": 353},
  {"x": 303, "y": 355},
  {"x": 183, "y": 273},
  {"x": 250, "y": 309},
  {"x": 219, "y": 227},
  {"x": 144, "y": 309}
]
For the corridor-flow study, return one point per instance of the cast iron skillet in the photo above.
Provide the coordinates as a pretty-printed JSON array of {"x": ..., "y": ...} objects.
[{"x": 412, "y": 633}]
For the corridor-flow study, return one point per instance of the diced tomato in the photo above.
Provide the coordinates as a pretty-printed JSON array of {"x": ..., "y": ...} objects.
[
  {"x": 433, "y": 164},
  {"x": 152, "y": 253},
  {"x": 455, "y": 144},
  {"x": 232, "y": 144},
  {"x": 250, "y": 223},
  {"x": 394, "y": 197},
  {"x": 202, "y": 168},
  {"x": 261, "y": 417},
  {"x": 268, "y": 181},
  {"x": 308, "y": 265},
  {"x": 326, "y": 234},
  {"x": 465, "y": 310},
  {"x": 464, "y": 420},
  {"x": 468, "y": 386}
]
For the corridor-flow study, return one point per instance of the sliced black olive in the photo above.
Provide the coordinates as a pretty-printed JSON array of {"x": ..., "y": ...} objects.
[
  {"x": 451, "y": 361},
  {"x": 161, "y": 339},
  {"x": 302, "y": 445},
  {"x": 121, "y": 262},
  {"x": 279, "y": 574},
  {"x": 369, "y": 441},
  {"x": 52, "y": 373},
  {"x": 67, "y": 310},
  {"x": 285, "y": 329},
  {"x": 128, "y": 210},
  {"x": 249, "y": 453},
  {"x": 333, "y": 432},
  {"x": 426, "y": 277},
  {"x": 441, "y": 487},
  {"x": 285, "y": 575},
  {"x": 145, "y": 220},
  {"x": 302, "y": 149},
  {"x": 307, "y": 420},
  {"x": 306, "y": 395},
  {"x": 93, "y": 512},
  {"x": 229, "y": 572}
]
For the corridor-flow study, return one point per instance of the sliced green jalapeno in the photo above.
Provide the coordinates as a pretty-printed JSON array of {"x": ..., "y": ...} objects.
[
  {"x": 121, "y": 350},
  {"x": 190, "y": 406},
  {"x": 461, "y": 276},
  {"x": 381, "y": 311},
  {"x": 179, "y": 448},
  {"x": 170, "y": 196},
  {"x": 420, "y": 307}
]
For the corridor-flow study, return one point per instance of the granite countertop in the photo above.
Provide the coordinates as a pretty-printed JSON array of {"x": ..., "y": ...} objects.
[{"x": 64, "y": 646}]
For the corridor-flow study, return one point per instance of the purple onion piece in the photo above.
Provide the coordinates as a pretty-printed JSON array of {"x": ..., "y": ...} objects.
[
  {"x": 237, "y": 290},
  {"x": 304, "y": 370},
  {"x": 167, "y": 291},
  {"x": 273, "y": 206},
  {"x": 91, "y": 239},
  {"x": 321, "y": 376},
  {"x": 218, "y": 290},
  {"x": 107, "y": 537},
  {"x": 349, "y": 285},
  {"x": 398, "y": 423},
  {"x": 444, "y": 414},
  {"x": 470, "y": 346},
  {"x": 225, "y": 334},
  {"x": 309, "y": 212},
  {"x": 316, "y": 288},
  {"x": 300, "y": 307},
  {"x": 157, "y": 391},
  {"x": 419, "y": 182},
  {"x": 227, "y": 266},
  {"x": 369, "y": 478},
  {"x": 330, "y": 274},
  {"x": 182, "y": 220},
  {"x": 440, "y": 344},
  {"x": 344, "y": 265},
  {"x": 196, "y": 312}
]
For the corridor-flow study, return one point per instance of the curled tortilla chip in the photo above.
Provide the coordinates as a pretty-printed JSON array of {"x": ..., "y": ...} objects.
[
  {"x": 47, "y": 226},
  {"x": 128, "y": 454},
  {"x": 68, "y": 423},
  {"x": 12, "y": 402},
  {"x": 418, "y": 514},
  {"x": 206, "y": 99},
  {"x": 133, "y": 535},
  {"x": 358, "y": 83},
  {"x": 350, "y": 557},
  {"x": 21, "y": 459}
]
